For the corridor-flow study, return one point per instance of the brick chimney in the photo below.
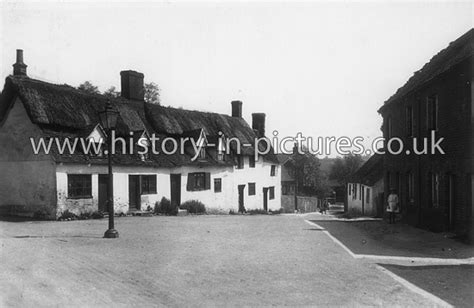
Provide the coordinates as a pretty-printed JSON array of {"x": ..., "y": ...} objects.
[
  {"x": 19, "y": 68},
  {"x": 258, "y": 123},
  {"x": 237, "y": 109},
  {"x": 132, "y": 85}
]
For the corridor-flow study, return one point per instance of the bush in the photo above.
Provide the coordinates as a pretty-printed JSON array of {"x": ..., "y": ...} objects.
[
  {"x": 97, "y": 215},
  {"x": 194, "y": 207},
  {"x": 232, "y": 212},
  {"x": 165, "y": 207},
  {"x": 66, "y": 215}
]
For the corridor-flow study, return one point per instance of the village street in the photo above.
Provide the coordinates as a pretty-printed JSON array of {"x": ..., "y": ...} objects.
[{"x": 182, "y": 261}]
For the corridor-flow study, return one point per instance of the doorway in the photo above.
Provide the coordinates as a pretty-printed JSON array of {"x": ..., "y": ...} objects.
[
  {"x": 175, "y": 189},
  {"x": 241, "y": 198},
  {"x": 103, "y": 184},
  {"x": 134, "y": 193},
  {"x": 265, "y": 198}
]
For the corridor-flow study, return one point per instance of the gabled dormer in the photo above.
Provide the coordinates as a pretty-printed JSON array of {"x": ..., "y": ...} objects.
[
  {"x": 142, "y": 144},
  {"x": 97, "y": 141}
]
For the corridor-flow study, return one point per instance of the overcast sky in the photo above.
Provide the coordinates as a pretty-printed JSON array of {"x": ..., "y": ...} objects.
[{"x": 316, "y": 67}]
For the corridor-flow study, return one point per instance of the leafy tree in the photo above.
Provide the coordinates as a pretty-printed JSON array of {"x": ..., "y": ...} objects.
[
  {"x": 344, "y": 168},
  {"x": 88, "y": 87},
  {"x": 152, "y": 93},
  {"x": 111, "y": 92},
  {"x": 310, "y": 179}
]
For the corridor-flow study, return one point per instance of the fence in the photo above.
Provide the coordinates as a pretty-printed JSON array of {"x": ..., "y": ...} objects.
[{"x": 305, "y": 204}]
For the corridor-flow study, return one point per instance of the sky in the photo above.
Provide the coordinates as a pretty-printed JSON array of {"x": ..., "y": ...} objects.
[{"x": 319, "y": 68}]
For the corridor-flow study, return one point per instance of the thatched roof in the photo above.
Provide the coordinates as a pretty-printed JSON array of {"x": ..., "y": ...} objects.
[
  {"x": 457, "y": 51},
  {"x": 61, "y": 110}
]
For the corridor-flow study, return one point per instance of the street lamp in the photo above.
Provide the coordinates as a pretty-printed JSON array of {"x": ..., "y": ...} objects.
[{"x": 108, "y": 119}]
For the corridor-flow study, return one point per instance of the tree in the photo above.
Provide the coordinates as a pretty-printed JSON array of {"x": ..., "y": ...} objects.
[
  {"x": 344, "y": 168},
  {"x": 152, "y": 93},
  {"x": 88, "y": 87},
  {"x": 111, "y": 92},
  {"x": 310, "y": 179}
]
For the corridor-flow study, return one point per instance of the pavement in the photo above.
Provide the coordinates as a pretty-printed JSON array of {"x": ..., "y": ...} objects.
[{"x": 228, "y": 260}]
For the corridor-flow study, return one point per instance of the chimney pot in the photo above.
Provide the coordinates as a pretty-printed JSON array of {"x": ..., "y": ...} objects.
[
  {"x": 132, "y": 85},
  {"x": 19, "y": 68},
  {"x": 258, "y": 123},
  {"x": 236, "y": 109}
]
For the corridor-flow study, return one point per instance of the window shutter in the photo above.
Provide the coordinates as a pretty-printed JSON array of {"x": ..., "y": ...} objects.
[
  {"x": 207, "y": 181},
  {"x": 190, "y": 184}
]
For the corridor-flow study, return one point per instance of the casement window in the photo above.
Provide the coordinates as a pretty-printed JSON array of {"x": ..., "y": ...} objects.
[
  {"x": 240, "y": 162},
  {"x": 273, "y": 170},
  {"x": 198, "y": 181},
  {"x": 367, "y": 195},
  {"x": 148, "y": 184},
  {"x": 251, "y": 189},
  {"x": 202, "y": 153},
  {"x": 217, "y": 185},
  {"x": 434, "y": 187},
  {"x": 271, "y": 192},
  {"x": 432, "y": 112},
  {"x": 79, "y": 185},
  {"x": 409, "y": 120},
  {"x": 252, "y": 161},
  {"x": 411, "y": 187}
]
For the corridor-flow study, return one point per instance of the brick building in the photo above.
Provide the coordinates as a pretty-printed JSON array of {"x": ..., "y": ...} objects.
[{"x": 435, "y": 190}]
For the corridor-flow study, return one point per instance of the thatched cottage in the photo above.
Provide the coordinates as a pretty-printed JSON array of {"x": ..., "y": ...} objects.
[{"x": 48, "y": 183}]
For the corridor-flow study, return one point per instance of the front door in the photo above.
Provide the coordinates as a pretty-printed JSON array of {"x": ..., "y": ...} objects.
[
  {"x": 241, "y": 198},
  {"x": 175, "y": 189},
  {"x": 265, "y": 198},
  {"x": 103, "y": 183},
  {"x": 134, "y": 194}
]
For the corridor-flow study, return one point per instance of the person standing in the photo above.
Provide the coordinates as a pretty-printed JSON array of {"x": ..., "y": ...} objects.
[{"x": 392, "y": 205}]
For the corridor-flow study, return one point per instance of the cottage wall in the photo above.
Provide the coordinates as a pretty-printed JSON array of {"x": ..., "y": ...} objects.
[
  {"x": 27, "y": 181},
  {"x": 231, "y": 177},
  {"x": 371, "y": 205},
  {"x": 121, "y": 187}
]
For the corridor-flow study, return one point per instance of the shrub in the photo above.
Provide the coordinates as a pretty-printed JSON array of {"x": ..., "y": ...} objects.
[
  {"x": 66, "y": 215},
  {"x": 194, "y": 207},
  {"x": 232, "y": 212},
  {"x": 97, "y": 215},
  {"x": 84, "y": 216},
  {"x": 165, "y": 207}
]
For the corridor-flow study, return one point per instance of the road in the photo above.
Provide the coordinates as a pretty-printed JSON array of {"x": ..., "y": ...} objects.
[{"x": 187, "y": 261}]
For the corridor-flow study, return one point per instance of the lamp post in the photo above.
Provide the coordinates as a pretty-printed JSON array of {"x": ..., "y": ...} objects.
[{"x": 108, "y": 119}]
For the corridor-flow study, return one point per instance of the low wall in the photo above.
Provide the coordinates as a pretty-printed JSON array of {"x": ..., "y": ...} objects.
[{"x": 305, "y": 204}]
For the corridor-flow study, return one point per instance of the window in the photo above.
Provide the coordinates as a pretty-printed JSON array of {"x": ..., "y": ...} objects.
[
  {"x": 349, "y": 189},
  {"x": 367, "y": 195},
  {"x": 79, "y": 185},
  {"x": 220, "y": 156},
  {"x": 432, "y": 112},
  {"x": 252, "y": 161},
  {"x": 409, "y": 120},
  {"x": 411, "y": 187},
  {"x": 434, "y": 190},
  {"x": 218, "y": 185},
  {"x": 360, "y": 192},
  {"x": 240, "y": 162},
  {"x": 148, "y": 184},
  {"x": 355, "y": 191},
  {"x": 202, "y": 153},
  {"x": 271, "y": 194},
  {"x": 251, "y": 189},
  {"x": 198, "y": 181},
  {"x": 273, "y": 170}
]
